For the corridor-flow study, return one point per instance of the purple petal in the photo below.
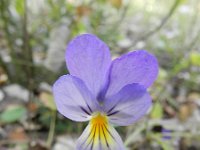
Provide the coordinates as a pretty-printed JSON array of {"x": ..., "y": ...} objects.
[
  {"x": 136, "y": 67},
  {"x": 128, "y": 105},
  {"x": 73, "y": 99},
  {"x": 88, "y": 58},
  {"x": 99, "y": 138}
]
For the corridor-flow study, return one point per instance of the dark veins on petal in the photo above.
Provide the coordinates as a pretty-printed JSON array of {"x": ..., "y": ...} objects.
[{"x": 83, "y": 109}]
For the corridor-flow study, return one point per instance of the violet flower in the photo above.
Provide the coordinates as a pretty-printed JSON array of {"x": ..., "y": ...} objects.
[{"x": 103, "y": 91}]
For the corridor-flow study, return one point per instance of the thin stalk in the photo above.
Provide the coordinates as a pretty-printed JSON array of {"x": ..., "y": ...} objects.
[
  {"x": 162, "y": 23},
  {"x": 29, "y": 69},
  {"x": 52, "y": 129}
]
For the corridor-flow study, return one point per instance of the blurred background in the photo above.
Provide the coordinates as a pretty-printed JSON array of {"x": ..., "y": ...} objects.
[{"x": 33, "y": 38}]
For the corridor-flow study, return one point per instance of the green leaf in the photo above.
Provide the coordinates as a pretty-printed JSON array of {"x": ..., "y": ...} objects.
[
  {"x": 19, "y": 6},
  {"x": 195, "y": 58},
  {"x": 12, "y": 114},
  {"x": 181, "y": 2},
  {"x": 157, "y": 111}
]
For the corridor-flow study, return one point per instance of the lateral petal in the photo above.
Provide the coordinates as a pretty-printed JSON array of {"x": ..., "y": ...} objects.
[
  {"x": 135, "y": 67},
  {"x": 128, "y": 105},
  {"x": 73, "y": 99}
]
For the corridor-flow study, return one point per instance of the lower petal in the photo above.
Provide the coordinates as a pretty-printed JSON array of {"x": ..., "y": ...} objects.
[{"x": 99, "y": 135}]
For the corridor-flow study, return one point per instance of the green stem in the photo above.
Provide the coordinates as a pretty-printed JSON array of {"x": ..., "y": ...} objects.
[{"x": 52, "y": 129}]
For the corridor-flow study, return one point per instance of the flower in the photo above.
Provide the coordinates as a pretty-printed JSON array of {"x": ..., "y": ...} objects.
[{"x": 103, "y": 91}]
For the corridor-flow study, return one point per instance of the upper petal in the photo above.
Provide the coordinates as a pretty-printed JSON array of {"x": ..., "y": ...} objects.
[
  {"x": 88, "y": 58},
  {"x": 128, "y": 105},
  {"x": 135, "y": 67},
  {"x": 73, "y": 99}
]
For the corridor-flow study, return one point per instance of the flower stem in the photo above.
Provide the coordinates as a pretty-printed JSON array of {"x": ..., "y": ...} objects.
[{"x": 52, "y": 129}]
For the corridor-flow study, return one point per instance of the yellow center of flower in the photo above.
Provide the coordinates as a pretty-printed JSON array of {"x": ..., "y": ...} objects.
[
  {"x": 99, "y": 119},
  {"x": 99, "y": 131}
]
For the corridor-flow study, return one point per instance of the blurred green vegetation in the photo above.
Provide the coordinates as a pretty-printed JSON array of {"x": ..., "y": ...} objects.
[{"x": 33, "y": 37}]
